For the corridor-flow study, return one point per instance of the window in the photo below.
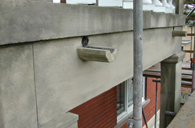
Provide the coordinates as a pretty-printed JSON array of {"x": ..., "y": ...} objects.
[
  {"x": 120, "y": 98},
  {"x": 125, "y": 98}
]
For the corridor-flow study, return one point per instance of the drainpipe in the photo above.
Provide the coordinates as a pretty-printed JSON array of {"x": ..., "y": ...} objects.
[
  {"x": 156, "y": 104},
  {"x": 138, "y": 54}
]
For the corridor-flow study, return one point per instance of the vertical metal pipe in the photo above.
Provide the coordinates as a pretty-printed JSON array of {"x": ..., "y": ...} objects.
[
  {"x": 138, "y": 53},
  {"x": 97, "y": 2},
  {"x": 193, "y": 66},
  {"x": 191, "y": 43},
  {"x": 156, "y": 107},
  {"x": 146, "y": 87}
]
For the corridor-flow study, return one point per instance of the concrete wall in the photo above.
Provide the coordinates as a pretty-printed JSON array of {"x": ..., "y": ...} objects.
[
  {"x": 66, "y": 81},
  {"x": 170, "y": 87},
  {"x": 43, "y": 78},
  {"x": 17, "y": 90},
  {"x": 35, "y": 21},
  {"x": 178, "y": 6},
  {"x": 63, "y": 81}
]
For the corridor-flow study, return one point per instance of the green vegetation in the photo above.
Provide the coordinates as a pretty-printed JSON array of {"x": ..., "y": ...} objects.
[{"x": 184, "y": 96}]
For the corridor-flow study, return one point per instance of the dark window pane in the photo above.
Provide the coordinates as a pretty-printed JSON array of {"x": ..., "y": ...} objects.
[{"x": 120, "y": 98}]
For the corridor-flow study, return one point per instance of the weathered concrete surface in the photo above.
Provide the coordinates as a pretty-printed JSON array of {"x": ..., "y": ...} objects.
[
  {"x": 75, "y": 125},
  {"x": 97, "y": 53},
  {"x": 178, "y": 6},
  {"x": 26, "y": 21},
  {"x": 17, "y": 92},
  {"x": 185, "y": 118},
  {"x": 63, "y": 81},
  {"x": 155, "y": 46},
  {"x": 68, "y": 120},
  {"x": 51, "y": 1},
  {"x": 170, "y": 87}
]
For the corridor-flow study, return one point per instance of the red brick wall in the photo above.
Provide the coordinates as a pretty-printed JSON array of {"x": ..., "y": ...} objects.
[
  {"x": 151, "y": 94},
  {"x": 99, "y": 112}
]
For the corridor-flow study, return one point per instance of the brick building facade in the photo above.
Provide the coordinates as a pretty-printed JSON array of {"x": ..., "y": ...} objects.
[{"x": 101, "y": 111}]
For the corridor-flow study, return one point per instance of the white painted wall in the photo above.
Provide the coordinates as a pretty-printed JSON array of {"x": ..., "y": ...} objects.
[
  {"x": 110, "y": 3},
  {"x": 56, "y": 1},
  {"x": 80, "y": 1}
]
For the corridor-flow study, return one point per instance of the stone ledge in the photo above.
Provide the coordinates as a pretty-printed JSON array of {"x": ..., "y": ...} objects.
[
  {"x": 29, "y": 21},
  {"x": 185, "y": 118},
  {"x": 175, "y": 58},
  {"x": 100, "y": 54},
  {"x": 64, "y": 121}
]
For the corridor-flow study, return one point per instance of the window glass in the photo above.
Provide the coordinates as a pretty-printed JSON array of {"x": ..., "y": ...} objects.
[
  {"x": 125, "y": 98},
  {"x": 130, "y": 92},
  {"x": 120, "y": 98}
]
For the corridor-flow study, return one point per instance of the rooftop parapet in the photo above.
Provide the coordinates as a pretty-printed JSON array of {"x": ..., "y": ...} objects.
[{"x": 28, "y": 21}]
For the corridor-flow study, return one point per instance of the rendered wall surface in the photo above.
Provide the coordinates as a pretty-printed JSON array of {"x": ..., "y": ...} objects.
[
  {"x": 67, "y": 120},
  {"x": 17, "y": 91},
  {"x": 63, "y": 81},
  {"x": 48, "y": 79},
  {"x": 179, "y": 6},
  {"x": 34, "y": 21}
]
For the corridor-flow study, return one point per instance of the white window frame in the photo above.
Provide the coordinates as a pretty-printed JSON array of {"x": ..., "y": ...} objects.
[{"x": 129, "y": 109}]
